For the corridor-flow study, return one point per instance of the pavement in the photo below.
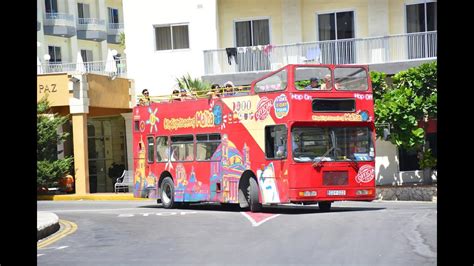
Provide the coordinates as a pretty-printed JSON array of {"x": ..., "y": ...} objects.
[{"x": 48, "y": 222}]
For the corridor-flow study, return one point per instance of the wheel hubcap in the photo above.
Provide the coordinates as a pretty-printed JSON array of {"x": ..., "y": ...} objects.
[{"x": 166, "y": 195}]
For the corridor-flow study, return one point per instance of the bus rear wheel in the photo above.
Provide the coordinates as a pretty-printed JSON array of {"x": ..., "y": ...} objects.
[
  {"x": 167, "y": 193},
  {"x": 324, "y": 206},
  {"x": 255, "y": 206}
]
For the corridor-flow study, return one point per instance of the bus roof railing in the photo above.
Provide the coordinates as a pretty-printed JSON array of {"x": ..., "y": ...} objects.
[{"x": 199, "y": 94}]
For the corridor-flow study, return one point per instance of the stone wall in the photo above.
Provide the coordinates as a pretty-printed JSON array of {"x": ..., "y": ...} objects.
[{"x": 416, "y": 193}]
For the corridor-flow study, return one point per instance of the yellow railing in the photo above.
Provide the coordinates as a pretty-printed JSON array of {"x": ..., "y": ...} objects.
[{"x": 202, "y": 94}]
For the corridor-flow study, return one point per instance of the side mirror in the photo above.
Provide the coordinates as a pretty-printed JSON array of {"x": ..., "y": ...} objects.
[{"x": 386, "y": 134}]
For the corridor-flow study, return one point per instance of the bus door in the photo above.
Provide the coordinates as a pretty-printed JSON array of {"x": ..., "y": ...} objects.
[{"x": 272, "y": 177}]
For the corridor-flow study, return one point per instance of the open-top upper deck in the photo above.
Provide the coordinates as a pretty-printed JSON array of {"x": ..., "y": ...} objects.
[{"x": 306, "y": 93}]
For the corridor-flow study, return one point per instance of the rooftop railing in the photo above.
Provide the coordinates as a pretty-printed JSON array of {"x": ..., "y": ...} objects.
[
  {"x": 94, "y": 67},
  {"x": 386, "y": 49}
]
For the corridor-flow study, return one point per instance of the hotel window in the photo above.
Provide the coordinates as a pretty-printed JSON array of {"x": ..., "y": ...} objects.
[
  {"x": 171, "y": 37},
  {"x": 55, "y": 54},
  {"x": 83, "y": 12},
  {"x": 337, "y": 26},
  {"x": 51, "y": 6},
  {"x": 252, "y": 32},
  {"x": 86, "y": 55},
  {"x": 421, "y": 18},
  {"x": 113, "y": 16}
]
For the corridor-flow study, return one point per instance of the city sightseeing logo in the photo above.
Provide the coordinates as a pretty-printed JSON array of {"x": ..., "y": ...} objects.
[
  {"x": 263, "y": 108},
  {"x": 366, "y": 174}
]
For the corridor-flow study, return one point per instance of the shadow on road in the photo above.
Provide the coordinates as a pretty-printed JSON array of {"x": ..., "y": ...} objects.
[{"x": 282, "y": 209}]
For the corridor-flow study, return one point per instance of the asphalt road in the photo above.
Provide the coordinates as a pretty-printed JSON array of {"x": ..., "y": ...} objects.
[{"x": 143, "y": 233}]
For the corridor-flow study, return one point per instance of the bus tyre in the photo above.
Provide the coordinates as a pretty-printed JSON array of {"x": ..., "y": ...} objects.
[
  {"x": 255, "y": 206},
  {"x": 324, "y": 206},
  {"x": 167, "y": 193}
]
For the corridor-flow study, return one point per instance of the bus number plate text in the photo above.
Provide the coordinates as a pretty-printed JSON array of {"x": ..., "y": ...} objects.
[{"x": 336, "y": 192}]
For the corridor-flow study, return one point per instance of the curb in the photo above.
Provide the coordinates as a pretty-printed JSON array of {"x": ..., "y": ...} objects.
[
  {"x": 47, "y": 225},
  {"x": 88, "y": 197}
]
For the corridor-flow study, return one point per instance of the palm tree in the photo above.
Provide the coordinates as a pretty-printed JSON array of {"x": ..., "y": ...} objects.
[{"x": 195, "y": 85}]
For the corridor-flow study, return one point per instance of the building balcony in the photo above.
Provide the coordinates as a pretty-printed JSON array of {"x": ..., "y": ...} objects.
[
  {"x": 95, "y": 67},
  {"x": 113, "y": 32},
  {"x": 373, "y": 50},
  {"x": 59, "y": 24},
  {"x": 91, "y": 29}
]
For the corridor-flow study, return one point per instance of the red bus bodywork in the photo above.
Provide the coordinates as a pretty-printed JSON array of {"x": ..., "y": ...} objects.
[{"x": 241, "y": 122}]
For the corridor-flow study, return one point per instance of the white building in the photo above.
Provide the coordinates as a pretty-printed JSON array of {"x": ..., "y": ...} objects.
[{"x": 165, "y": 40}]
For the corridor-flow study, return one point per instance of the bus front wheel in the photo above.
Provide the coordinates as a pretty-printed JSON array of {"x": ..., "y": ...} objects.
[
  {"x": 324, "y": 206},
  {"x": 255, "y": 206},
  {"x": 167, "y": 193}
]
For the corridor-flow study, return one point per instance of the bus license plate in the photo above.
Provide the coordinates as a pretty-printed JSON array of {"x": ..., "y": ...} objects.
[{"x": 336, "y": 192}]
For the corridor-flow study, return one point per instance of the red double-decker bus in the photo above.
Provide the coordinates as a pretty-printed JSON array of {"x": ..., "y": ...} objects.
[{"x": 302, "y": 134}]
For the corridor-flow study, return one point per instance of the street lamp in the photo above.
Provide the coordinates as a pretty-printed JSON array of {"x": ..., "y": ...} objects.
[{"x": 46, "y": 58}]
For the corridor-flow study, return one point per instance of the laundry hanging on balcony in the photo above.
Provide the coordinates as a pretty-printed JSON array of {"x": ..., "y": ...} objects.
[
  {"x": 231, "y": 53},
  {"x": 267, "y": 49}
]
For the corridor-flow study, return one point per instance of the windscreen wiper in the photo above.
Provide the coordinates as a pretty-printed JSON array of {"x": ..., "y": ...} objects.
[{"x": 318, "y": 163}]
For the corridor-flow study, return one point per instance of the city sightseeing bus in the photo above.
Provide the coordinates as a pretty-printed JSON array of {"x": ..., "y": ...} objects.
[{"x": 281, "y": 142}]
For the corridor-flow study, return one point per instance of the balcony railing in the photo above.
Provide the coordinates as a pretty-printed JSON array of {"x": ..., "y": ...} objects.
[
  {"x": 386, "y": 49},
  {"x": 94, "y": 67},
  {"x": 90, "y": 24},
  {"x": 62, "y": 19},
  {"x": 114, "y": 28}
]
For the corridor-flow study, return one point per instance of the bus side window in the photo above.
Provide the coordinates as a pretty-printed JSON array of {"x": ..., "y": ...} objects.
[
  {"x": 276, "y": 142},
  {"x": 162, "y": 149},
  {"x": 206, "y": 146},
  {"x": 182, "y": 148},
  {"x": 151, "y": 149}
]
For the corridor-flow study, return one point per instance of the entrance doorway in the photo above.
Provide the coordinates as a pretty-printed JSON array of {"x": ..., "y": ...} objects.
[{"x": 107, "y": 146}]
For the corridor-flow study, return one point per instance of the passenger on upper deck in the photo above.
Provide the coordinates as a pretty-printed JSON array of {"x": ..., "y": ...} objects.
[
  {"x": 314, "y": 85},
  {"x": 327, "y": 85},
  {"x": 145, "y": 99},
  {"x": 175, "y": 96},
  {"x": 185, "y": 95},
  {"x": 228, "y": 88},
  {"x": 214, "y": 92}
]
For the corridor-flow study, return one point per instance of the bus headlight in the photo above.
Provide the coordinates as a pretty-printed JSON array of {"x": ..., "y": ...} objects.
[{"x": 308, "y": 193}]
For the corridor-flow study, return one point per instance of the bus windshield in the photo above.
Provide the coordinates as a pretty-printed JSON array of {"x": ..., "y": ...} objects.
[
  {"x": 332, "y": 144},
  {"x": 350, "y": 78}
]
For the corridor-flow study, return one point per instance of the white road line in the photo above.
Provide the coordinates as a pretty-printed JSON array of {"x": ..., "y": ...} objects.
[
  {"x": 39, "y": 255},
  {"x": 254, "y": 223},
  {"x": 89, "y": 210}
]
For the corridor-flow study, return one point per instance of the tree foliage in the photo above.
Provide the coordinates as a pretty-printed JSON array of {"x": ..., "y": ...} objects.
[
  {"x": 49, "y": 168},
  {"x": 193, "y": 84},
  {"x": 122, "y": 39},
  {"x": 412, "y": 98}
]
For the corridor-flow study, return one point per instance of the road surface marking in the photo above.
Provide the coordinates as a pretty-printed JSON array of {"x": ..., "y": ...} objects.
[
  {"x": 92, "y": 210},
  {"x": 146, "y": 214},
  {"x": 69, "y": 228},
  {"x": 258, "y": 218}
]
